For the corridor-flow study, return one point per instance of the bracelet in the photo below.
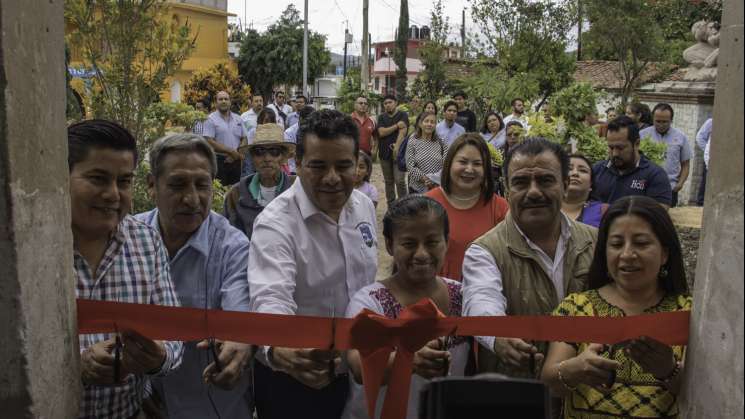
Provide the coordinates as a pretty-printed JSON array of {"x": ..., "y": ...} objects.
[
  {"x": 673, "y": 374},
  {"x": 561, "y": 378}
]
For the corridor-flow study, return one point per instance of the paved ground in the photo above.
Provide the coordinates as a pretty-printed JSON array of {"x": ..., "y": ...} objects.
[{"x": 384, "y": 259}]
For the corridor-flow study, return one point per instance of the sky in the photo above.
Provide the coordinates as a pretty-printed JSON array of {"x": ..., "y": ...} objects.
[{"x": 331, "y": 17}]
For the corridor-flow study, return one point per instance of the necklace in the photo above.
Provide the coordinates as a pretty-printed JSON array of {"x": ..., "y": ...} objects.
[{"x": 455, "y": 198}]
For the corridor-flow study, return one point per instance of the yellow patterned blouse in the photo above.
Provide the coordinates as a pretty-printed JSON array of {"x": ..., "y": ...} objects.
[{"x": 635, "y": 393}]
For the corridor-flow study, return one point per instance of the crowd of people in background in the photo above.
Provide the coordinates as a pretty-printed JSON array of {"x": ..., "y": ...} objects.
[{"x": 480, "y": 217}]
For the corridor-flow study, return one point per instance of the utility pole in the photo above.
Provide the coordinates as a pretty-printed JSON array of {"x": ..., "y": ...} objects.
[
  {"x": 579, "y": 30},
  {"x": 305, "y": 50},
  {"x": 346, "y": 34},
  {"x": 463, "y": 34},
  {"x": 365, "y": 73}
]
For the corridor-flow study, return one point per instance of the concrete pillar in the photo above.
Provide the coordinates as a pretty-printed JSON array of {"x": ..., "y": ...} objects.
[
  {"x": 39, "y": 359},
  {"x": 713, "y": 386}
]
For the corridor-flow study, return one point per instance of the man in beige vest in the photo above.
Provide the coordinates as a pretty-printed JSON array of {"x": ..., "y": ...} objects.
[{"x": 529, "y": 262}]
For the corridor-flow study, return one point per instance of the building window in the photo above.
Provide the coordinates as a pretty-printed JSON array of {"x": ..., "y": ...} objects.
[{"x": 377, "y": 83}]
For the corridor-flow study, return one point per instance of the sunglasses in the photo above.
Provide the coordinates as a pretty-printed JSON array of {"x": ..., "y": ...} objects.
[{"x": 260, "y": 151}]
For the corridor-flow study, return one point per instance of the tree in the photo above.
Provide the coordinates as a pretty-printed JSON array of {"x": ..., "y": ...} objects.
[
  {"x": 276, "y": 56},
  {"x": 399, "y": 53},
  {"x": 205, "y": 84},
  {"x": 674, "y": 19},
  {"x": 431, "y": 82},
  {"x": 629, "y": 30},
  {"x": 528, "y": 37},
  {"x": 351, "y": 89},
  {"x": 132, "y": 48}
]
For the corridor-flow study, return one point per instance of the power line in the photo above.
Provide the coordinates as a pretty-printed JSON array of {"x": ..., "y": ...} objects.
[{"x": 397, "y": 11}]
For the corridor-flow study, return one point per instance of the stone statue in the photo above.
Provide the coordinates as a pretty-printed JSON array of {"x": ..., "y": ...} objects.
[{"x": 702, "y": 57}]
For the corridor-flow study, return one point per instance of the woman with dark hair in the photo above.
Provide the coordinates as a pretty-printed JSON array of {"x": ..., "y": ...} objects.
[
  {"x": 362, "y": 179},
  {"x": 493, "y": 130},
  {"x": 425, "y": 153},
  {"x": 467, "y": 194},
  {"x": 637, "y": 269},
  {"x": 640, "y": 113},
  {"x": 577, "y": 204},
  {"x": 416, "y": 234},
  {"x": 430, "y": 106}
]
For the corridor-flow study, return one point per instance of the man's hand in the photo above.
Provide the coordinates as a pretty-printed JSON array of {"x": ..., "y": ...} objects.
[
  {"x": 233, "y": 156},
  {"x": 401, "y": 125},
  {"x": 309, "y": 366},
  {"x": 141, "y": 355},
  {"x": 233, "y": 358},
  {"x": 97, "y": 363},
  {"x": 677, "y": 188},
  {"x": 431, "y": 361},
  {"x": 516, "y": 352}
]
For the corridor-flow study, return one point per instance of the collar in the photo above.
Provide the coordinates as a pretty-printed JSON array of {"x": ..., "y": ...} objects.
[
  {"x": 255, "y": 186},
  {"x": 309, "y": 209},
  {"x": 361, "y": 119},
  {"x": 640, "y": 164},
  {"x": 199, "y": 240},
  {"x": 564, "y": 234}
]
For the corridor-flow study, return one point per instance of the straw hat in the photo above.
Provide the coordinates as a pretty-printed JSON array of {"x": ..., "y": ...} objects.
[{"x": 268, "y": 135}]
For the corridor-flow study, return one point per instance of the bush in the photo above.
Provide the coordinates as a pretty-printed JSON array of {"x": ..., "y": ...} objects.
[{"x": 206, "y": 83}]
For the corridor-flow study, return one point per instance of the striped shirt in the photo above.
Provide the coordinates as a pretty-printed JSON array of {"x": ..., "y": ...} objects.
[
  {"x": 198, "y": 127},
  {"x": 424, "y": 157},
  {"x": 134, "y": 269}
]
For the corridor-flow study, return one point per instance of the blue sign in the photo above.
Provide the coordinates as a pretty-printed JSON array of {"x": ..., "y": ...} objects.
[
  {"x": 81, "y": 72},
  {"x": 339, "y": 70}
]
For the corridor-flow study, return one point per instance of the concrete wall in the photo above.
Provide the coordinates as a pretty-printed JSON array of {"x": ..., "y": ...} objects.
[
  {"x": 39, "y": 372},
  {"x": 713, "y": 386}
]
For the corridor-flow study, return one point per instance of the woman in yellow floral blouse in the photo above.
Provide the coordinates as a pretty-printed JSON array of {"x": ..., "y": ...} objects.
[{"x": 637, "y": 269}]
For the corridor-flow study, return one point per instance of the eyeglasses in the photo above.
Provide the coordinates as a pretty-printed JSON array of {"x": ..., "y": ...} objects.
[{"x": 260, "y": 151}]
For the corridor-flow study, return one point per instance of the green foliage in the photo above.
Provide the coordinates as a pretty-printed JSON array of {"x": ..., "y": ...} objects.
[
  {"x": 276, "y": 56},
  {"x": 653, "y": 150},
  {"x": 630, "y": 34},
  {"x": 528, "y": 37},
  {"x": 553, "y": 131},
  {"x": 399, "y": 52},
  {"x": 351, "y": 89},
  {"x": 575, "y": 102},
  {"x": 133, "y": 48},
  {"x": 142, "y": 202},
  {"x": 163, "y": 115},
  {"x": 589, "y": 143},
  {"x": 492, "y": 88},
  {"x": 497, "y": 159},
  {"x": 206, "y": 83}
]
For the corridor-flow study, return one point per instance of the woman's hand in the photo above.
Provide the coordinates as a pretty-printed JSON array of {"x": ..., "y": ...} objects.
[
  {"x": 590, "y": 368},
  {"x": 653, "y": 356},
  {"x": 430, "y": 361}
]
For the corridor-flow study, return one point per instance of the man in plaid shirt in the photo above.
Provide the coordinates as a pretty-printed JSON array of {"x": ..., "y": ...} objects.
[{"x": 116, "y": 259}]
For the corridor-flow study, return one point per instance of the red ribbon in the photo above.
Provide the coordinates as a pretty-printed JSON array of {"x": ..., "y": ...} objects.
[{"x": 373, "y": 335}]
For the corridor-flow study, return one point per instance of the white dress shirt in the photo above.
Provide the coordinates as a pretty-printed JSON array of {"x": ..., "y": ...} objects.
[
  {"x": 483, "y": 294},
  {"x": 303, "y": 262}
]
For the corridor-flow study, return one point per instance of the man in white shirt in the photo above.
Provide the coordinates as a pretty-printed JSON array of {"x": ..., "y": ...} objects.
[
  {"x": 518, "y": 113},
  {"x": 225, "y": 132},
  {"x": 280, "y": 108},
  {"x": 312, "y": 248},
  {"x": 529, "y": 262},
  {"x": 448, "y": 130},
  {"x": 250, "y": 117}
]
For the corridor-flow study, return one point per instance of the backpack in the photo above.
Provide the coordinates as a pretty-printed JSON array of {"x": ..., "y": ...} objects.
[{"x": 401, "y": 157}]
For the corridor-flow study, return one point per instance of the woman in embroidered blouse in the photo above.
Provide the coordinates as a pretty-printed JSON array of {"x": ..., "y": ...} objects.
[
  {"x": 577, "y": 204},
  {"x": 416, "y": 230},
  {"x": 637, "y": 269},
  {"x": 425, "y": 154}
]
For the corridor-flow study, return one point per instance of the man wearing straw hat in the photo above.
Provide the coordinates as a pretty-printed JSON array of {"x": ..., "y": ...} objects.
[{"x": 248, "y": 197}]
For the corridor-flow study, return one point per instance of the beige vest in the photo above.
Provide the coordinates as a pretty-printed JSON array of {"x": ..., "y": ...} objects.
[{"x": 525, "y": 284}]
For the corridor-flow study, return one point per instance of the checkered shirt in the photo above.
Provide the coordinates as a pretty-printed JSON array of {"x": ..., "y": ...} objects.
[{"x": 134, "y": 269}]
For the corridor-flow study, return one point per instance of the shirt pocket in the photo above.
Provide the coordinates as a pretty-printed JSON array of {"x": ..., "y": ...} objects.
[{"x": 237, "y": 130}]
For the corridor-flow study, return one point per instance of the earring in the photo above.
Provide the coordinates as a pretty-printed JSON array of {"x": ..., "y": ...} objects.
[{"x": 663, "y": 272}]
